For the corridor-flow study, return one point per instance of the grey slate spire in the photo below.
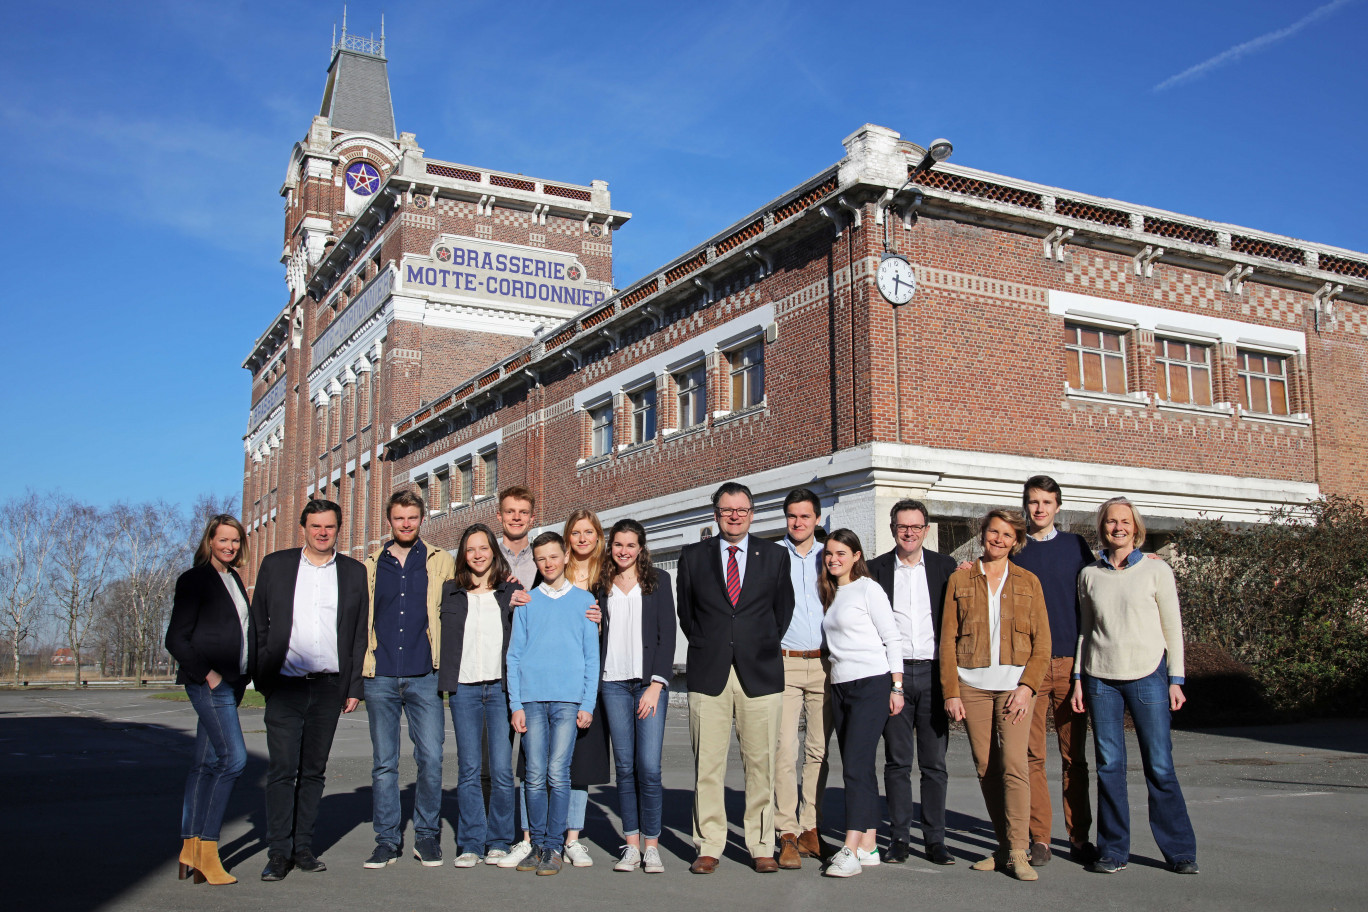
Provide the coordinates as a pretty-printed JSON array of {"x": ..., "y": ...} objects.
[{"x": 357, "y": 96}]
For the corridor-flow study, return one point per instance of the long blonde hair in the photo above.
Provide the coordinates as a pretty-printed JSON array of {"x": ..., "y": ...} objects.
[{"x": 595, "y": 561}]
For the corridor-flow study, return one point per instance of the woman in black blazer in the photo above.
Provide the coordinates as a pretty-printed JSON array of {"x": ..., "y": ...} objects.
[
  {"x": 637, "y": 658},
  {"x": 476, "y": 623},
  {"x": 207, "y": 636}
]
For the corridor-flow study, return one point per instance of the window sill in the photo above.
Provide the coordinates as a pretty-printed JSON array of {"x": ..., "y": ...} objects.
[
  {"x": 1221, "y": 410},
  {"x": 627, "y": 449},
  {"x": 592, "y": 461},
  {"x": 1131, "y": 400},
  {"x": 676, "y": 434},
  {"x": 720, "y": 418},
  {"x": 1302, "y": 420}
]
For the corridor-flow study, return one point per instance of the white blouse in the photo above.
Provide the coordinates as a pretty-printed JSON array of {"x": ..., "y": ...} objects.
[
  {"x": 240, "y": 602},
  {"x": 482, "y": 641},
  {"x": 996, "y": 676},
  {"x": 623, "y": 659},
  {"x": 861, "y": 635}
]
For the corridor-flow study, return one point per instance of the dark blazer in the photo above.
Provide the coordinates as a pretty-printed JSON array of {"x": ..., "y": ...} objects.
[
  {"x": 938, "y": 570},
  {"x": 273, "y": 616},
  {"x": 745, "y": 637},
  {"x": 657, "y": 630},
  {"x": 453, "y": 610},
  {"x": 205, "y": 633}
]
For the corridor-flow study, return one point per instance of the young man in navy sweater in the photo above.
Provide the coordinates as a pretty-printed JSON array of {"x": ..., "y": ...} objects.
[{"x": 1057, "y": 558}]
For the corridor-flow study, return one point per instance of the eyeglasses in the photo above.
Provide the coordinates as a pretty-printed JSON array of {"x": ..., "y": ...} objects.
[
  {"x": 734, "y": 511},
  {"x": 914, "y": 530}
]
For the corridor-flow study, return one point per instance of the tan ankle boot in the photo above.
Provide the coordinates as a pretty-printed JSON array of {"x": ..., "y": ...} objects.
[
  {"x": 1019, "y": 865},
  {"x": 187, "y": 858},
  {"x": 208, "y": 866}
]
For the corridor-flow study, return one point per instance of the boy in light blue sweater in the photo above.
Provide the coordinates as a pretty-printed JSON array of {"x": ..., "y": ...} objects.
[{"x": 553, "y": 670}]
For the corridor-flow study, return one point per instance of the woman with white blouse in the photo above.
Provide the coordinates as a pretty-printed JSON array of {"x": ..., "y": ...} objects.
[
  {"x": 994, "y": 649},
  {"x": 865, "y": 653},
  {"x": 638, "y": 661}
]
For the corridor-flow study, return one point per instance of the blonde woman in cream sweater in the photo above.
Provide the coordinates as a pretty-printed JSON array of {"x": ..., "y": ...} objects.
[{"x": 1130, "y": 656}]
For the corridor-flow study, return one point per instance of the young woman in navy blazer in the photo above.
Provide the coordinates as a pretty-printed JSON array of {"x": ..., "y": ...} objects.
[
  {"x": 637, "y": 657},
  {"x": 477, "y": 610},
  {"x": 207, "y": 636}
]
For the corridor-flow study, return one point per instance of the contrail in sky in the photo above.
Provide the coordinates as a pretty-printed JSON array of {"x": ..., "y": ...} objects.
[{"x": 1252, "y": 46}]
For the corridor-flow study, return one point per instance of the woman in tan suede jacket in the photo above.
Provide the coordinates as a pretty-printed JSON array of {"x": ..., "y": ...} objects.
[{"x": 994, "y": 649}]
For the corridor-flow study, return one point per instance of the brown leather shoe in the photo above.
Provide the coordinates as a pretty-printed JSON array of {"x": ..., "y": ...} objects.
[
  {"x": 810, "y": 844},
  {"x": 789, "y": 856},
  {"x": 765, "y": 864},
  {"x": 703, "y": 864}
]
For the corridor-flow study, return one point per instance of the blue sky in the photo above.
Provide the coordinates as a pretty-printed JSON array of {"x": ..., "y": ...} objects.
[{"x": 145, "y": 144}]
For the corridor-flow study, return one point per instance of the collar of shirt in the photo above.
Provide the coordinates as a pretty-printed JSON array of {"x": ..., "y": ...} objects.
[
  {"x": 304, "y": 559},
  {"x": 417, "y": 548},
  {"x": 904, "y": 565},
  {"x": 793, "y": 549},
  {"x": 741, "y": 545},
  {"x": 1132, "y": 559},
  {"x": 566, "y": 586},
  {"x": 1054, "y": 531}
]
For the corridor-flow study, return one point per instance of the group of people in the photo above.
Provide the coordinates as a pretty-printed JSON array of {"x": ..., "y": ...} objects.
[{"x": 564, "y": 643}]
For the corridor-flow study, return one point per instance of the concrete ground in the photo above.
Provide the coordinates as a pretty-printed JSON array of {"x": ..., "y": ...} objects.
[{"x": 90, "y": 792}]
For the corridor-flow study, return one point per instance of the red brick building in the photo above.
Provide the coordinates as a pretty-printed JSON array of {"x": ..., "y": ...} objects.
[{"x": 1197, "y": 367}]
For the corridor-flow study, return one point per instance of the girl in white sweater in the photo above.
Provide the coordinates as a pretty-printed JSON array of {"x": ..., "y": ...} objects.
[{"x": 865, "y": 652}]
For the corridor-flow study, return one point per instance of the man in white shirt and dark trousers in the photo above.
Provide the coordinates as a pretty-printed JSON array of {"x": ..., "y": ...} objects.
[
  {"x": 914, "y": 579},
  {"x": 798, "y": 808},
  {"x": 307, "y": 642}
]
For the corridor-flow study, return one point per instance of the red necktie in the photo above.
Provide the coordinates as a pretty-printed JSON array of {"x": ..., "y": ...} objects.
[{"x": 733, "y": 576}]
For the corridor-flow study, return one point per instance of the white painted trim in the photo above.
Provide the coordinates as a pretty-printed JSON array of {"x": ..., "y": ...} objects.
[
  {"x": 1061, "y": 303},
  {"x": 456, "y": 456},
  {"x": 685, "y": 354}
]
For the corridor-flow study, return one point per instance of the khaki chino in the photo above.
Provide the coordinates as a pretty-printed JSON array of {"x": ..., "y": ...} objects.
[{"x": 798, "y": 808}]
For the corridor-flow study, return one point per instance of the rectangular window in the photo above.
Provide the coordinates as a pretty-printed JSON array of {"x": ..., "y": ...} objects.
[
  {"x": 465, "y": 473},
  {"x": 693, "y": 396},
  {"x": 491, "y": 473},
  {"x": 440, "y": 487},
  {"x": 1097, "y": 359},
  {"x": 1263, "y": 383},
  {"x": 747, "y": 376},
  {"x": 601, "y": 420},
  {"x": 644, "y": 415},
  {"x": 1182, "y": 372}
]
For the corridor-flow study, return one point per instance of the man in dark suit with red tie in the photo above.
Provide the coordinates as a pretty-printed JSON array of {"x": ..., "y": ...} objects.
[
  {"x": 735, "y": 600},
  {"x": 308, "y": 638}
]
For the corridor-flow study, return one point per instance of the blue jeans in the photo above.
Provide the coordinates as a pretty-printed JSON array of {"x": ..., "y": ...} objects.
[
  {"x": 637, "y": 745},
  {"x": 549, "y": 744},
  {"x": 219, "y": 758},
  {"x": 574, "y": 815},
  {"x": 477, "y": 711},
  {"x": 1148, "y": 701},
  {"x": 386, "y": 698}
]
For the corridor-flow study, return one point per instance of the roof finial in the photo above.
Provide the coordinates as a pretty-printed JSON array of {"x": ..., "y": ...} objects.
[
  {"x": 382, "y": 28},
  {"x": 344, "y": 21}
]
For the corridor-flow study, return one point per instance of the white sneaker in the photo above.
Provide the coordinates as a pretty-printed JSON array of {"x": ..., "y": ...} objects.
[
  {"x": 631, "y": 859},
  {"x": 650, "y": 861},
  {"x": 843, "y": 864},
  {"x": 516, "y": 854},
  {"x": 868, "y": 859},
  {"x": 578, "y": 855},
  {"x": 466, "y": 860},
  {"x": 494, "y": 856}
]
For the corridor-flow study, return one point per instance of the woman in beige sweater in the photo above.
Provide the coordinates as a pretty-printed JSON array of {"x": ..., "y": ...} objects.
[{"x": 1130, "y": 656}]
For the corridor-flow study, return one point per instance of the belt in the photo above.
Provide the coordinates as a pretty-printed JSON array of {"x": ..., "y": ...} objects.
[
  {"x": 801, "y": 653},
  {"x": 919, "y": 661},
  {"x": 318, "y": 675}
]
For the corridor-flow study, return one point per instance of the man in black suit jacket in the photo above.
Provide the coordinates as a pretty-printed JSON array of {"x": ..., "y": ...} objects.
[
  {"x": 735, "y": 602},
  {"x": 914, "y": 578},
  {"x": 307, "y": 643}
]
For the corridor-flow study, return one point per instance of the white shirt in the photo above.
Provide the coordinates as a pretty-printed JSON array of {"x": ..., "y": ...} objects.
[
  {"x": 313, "y": 631},
  {"x": 623, "y": 659},
  {"x": 565, "y": 587},
  {"x": 996, "y": 676},
  {"x": 482, "y": 640},
  {"x": 861, "y": 635},
  {"x": 912, "y": 608},
  {"x": 240, "y": 602},
  {"x": 740, "y": 557}
]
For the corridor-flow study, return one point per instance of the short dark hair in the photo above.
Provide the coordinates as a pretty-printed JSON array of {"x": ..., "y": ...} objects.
[
  {"x": 803, "y": 495},
  {"x": 732, "y": 487},
  {"x": 318, "y": 505},
  {"x": 405, "y": 498},
  {"x": 908, "y": 503},
  {"x": 1041, "y": 483},
  {"x": 548, "y": 538}
]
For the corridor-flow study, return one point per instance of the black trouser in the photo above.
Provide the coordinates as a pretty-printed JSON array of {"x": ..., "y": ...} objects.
[
  {"x": 301, "y": 718},
  {"x": 858, "y": 710},
  {"x": 923, "y": 724}
]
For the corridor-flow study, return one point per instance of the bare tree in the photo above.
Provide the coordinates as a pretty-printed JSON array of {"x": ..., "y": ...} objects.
[
  {"x": 82, "y": 546},
  {"x": 25, "y": 540},
  {"x": 149, "y": 555}
]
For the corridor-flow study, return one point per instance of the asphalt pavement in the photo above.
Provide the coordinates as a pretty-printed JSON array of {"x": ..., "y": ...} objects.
[{"x": 92, "y": 785}]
